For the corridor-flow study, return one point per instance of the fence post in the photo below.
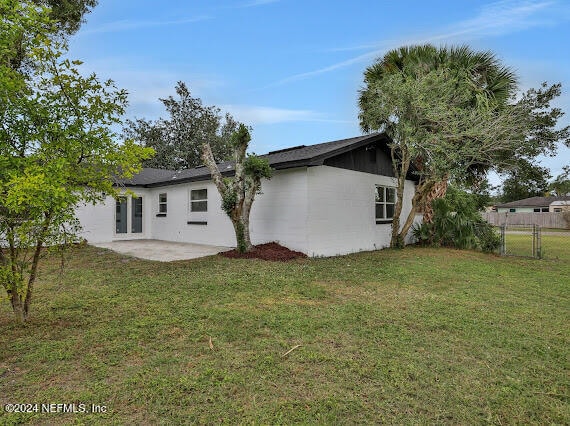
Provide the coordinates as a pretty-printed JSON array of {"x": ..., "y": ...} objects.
[
  {"x": 534, "y": 240},
  {"x": 538, "y": 242},
  {"x": 503, "y": 249}
]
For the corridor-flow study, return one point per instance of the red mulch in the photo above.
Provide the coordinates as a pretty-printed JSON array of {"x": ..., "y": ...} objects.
[{"x": 269, "y": 251}]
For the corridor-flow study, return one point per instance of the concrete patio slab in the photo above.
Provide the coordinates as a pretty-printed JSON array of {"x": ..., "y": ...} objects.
[{"x": 163, "y": 251}]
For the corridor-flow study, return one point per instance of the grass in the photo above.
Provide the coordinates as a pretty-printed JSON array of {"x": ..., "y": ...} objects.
[
  {"x": 412, "y": 336},
  {"x": 552, "y": 246}
]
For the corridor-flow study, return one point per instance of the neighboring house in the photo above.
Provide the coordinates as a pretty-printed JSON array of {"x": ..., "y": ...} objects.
[
  {"x": 326, "y": 199},
  {"x": 536, "y": 205}
]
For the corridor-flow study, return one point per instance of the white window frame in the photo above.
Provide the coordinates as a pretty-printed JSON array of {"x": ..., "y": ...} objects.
[
  {"x": 162, "y": 203},
  {"x": 198, "y": 200},
  {"x": 382, "y": 199}
]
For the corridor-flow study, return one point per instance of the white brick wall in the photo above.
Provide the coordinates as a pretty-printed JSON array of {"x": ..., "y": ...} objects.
[
  {"x": 98, "y": 222},
  {"x": 321, "y": 211},
  {"x": 341, "y": 215}
]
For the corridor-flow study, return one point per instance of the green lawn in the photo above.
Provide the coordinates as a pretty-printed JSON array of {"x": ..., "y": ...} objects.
[
  {"x": 552, "y": 246},
  {"x": 413, "y": 336}
]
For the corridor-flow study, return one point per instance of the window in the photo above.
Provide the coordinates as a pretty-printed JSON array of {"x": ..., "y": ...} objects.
[
  {"x": 512, "y": 210},
  {"x": 199, "y": 200},
  {"x": 385, "y": 201},
  {"x": 545, "y": 210},
  {"x": 557, "y": 210},
  {"x": 162, "y": 207},
  {"x": 121, "y": 215},
  {"x": 136, "y": 215},
  {"x": 537, "y": 210}
]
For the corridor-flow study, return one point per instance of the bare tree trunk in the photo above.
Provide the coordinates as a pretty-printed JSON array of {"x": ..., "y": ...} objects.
[
  {"x": 396, "y": 240},
  {"x": 417, "y": 200},
  {"x": 239, "y": 214},
  {"x": 35, "y": 263},
  {"x": 246, "y": 235},
  {"x": 208, "y": 158},
  {"x": 17, "y": 307},
  {"x": 438, "y": 190},
  {"x": 401, "y": 162},
  {"x": 253, "y": 186}
]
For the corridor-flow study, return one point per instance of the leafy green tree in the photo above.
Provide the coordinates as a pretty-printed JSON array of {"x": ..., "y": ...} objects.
[
  {"x": 480, "y": 95},
  {"x": 65, "y": 17},
  {"x": 490, "y": 84},
  {"x": 544, "y": 134},
  {"x": 438, "y": 124},
  {"x": 57, "y": 149},
  {"x": 524, "y": 181},
  {"x": 178, "y": 140},
  {"x": 524, "y": 178},
  {"x": 68, "y": 15},
  {"x": 561, "y": 185},
  {"x": 238, "y": 193}
]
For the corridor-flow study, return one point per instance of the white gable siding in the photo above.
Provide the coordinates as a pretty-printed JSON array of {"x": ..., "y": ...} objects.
[{"x": 341, "y": 216}]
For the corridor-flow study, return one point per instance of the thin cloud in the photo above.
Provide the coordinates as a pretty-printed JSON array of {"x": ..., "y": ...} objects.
[
  {"x": 268, "y": 115},
  {"x": 499, "y": 18},
  {"x": 330, "y": 68},
  {"x": 127, "y": 25}
]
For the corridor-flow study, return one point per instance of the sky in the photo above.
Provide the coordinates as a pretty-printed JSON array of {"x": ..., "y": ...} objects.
[{"x": 292, "y": 69}]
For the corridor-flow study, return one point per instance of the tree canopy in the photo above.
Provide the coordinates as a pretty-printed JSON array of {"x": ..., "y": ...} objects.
[
  {"x": 55, "y": 19},
  {"x": 178, "y": 139},
  {"x": 57, "y": 148},
  {"x": 560, "y": 186},
  {"x": 444, "y": 113},
  {"x": 452, "y": 113},
  {"x": 524, "y": 181}
]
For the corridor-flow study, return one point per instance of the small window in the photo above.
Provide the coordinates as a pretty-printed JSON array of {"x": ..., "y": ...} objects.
[
  {"x": 537, "y": 210},
  {"x": 557, "y": 210},
  {"x": 385, "y": 202},
  {"x": 199, "y": 200},
  {"x": 162, "y": 206},
  {"x": 545, "y": 209},
  {"x": 512, "y": 210}
]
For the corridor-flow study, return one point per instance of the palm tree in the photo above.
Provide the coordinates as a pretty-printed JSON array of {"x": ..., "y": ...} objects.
[{"x": 492, "y": 85}]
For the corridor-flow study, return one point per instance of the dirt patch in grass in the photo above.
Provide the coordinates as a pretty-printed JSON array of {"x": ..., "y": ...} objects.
[{"x": 268, "y": 251}]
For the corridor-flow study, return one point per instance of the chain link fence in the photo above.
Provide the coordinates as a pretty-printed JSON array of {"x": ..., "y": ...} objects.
[{"x": 521, "y": 240}]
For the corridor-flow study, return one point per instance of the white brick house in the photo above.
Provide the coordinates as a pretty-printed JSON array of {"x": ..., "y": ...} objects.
[{"x": 323, "y": 200}]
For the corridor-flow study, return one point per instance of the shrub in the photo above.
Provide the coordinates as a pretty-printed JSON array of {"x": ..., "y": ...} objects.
[
  {"x": 457, "y": 223},
  {"x": 489, "y": 239}
]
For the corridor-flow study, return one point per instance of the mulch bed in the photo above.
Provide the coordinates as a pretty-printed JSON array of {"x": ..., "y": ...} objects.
[{"x": 268, "y": 251}]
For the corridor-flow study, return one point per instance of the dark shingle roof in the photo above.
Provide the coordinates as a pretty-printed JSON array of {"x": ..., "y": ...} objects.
[
  {"x": 533, "y": 202},
  {"x": 311, "y": 155},
  {"x": 148, "y": 176}
]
